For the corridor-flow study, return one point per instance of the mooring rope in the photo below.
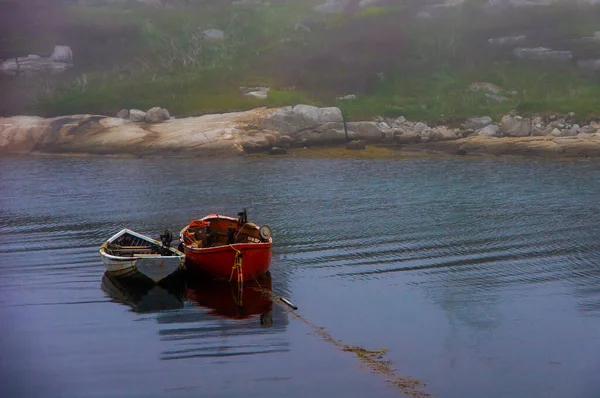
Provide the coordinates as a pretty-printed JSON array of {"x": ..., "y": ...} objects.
[
  {"x": 238, "y": 265},
  {"x": 373, "y": 359}
]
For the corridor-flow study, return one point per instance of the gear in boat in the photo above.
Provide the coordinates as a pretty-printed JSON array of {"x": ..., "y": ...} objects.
[{"x": 223, "y": 231}]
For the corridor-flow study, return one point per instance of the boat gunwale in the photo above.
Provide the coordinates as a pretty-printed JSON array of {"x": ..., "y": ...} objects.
[{"x": 122, "y": 258}]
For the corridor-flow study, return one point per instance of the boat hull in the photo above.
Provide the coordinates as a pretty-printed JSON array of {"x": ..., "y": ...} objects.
[
  {"x": 154, "y": 268},
  {"x": 218, "y": 262}
]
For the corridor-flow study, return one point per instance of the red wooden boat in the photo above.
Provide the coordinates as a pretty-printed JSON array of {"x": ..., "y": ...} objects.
[{"x": 228, "y": 248}]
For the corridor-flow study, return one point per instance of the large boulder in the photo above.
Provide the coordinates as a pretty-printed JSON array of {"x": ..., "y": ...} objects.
[
  {"x": 256, "y": 92},
  {"x": 62, "y": 54},
  {"x": 156, "y": 115},
  {"x": 515, "y": 126},
  {"x": 137, "y": 116},
  {"x": 33, "y": 65},
  {"x": 302, "y": 118},
  {"x": 285, "y": 121}
]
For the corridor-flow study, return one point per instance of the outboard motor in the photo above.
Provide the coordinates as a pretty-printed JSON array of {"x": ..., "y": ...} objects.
[
  {"x": 166, "y": 238},
  {"x": 242, "y": 217}
]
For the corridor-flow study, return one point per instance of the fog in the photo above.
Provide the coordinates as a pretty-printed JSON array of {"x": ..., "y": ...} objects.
[{"x": 414, "y": 58}]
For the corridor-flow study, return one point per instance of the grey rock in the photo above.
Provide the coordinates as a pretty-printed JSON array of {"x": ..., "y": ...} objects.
[
  {"x": 313, "y": 116},
  {"x": 588, "y": 129},
  {"x": 542, "y": 53},
  {"x": 537, "y": 120},
  {"x": 156, "y": 115},
  {"x": 62, "y": 54},
  {"x": 383, "y": 126},
  {"x": 419, "y": 127},
  {"x": 300, "y": 27},
  {"x": 443, "y": 133},
  {"x": 256, "y": 92},
  {"x": 506, "y": 40},
  {"x": 556, "y": 133},
  {"x": 33, "y": 65},
  {"x": 477, "y": 123},
  {"x": 214, "y": 34},
  {"x": 331, "y": 7},
  {"x": 491, "y": 130},
  {"x": 123, "y": 113},
  {"x": 136, "y": 115},
  {"x": 571, "y": 132},
  {"x": 552, "y": 118},
  {"x": 541, "y": 131},
  {"x": 515, "y": 127},
  {"x": 285, "y": 121}
]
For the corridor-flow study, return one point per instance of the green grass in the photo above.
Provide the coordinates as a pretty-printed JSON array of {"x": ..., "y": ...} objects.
[
  {"x": 134, "y": 56},
  {"x": 445, "y": 94}
]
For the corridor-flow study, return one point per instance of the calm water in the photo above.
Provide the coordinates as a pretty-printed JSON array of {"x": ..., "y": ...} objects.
[{"x": 481, "y": 278}]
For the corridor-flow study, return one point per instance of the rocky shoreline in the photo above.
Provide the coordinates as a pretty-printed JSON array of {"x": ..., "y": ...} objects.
[{"x": 277, "y": 130}]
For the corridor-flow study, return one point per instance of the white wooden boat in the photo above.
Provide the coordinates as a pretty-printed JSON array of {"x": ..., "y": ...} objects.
[{"x": 128, "y": 253}]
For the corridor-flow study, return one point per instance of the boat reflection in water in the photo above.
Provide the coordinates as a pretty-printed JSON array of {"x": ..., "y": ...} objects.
[
  {"x": 227, "y": 299},
  {"x": 145, "y": 297}
]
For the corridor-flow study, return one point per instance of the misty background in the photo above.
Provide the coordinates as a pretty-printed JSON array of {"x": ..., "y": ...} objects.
[{"x": 429, "y": 60}]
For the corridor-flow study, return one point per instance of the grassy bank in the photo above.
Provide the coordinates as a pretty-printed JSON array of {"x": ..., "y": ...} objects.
[{"x": 129, "y": 55}]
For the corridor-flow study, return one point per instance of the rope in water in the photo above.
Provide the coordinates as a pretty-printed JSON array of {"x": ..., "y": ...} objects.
[{"x": 373, "y": 359}]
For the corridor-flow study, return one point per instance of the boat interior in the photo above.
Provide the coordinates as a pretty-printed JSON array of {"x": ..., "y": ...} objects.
[
  {"x": 221, "y": 231},
  {"x": 128, "y": 245}
]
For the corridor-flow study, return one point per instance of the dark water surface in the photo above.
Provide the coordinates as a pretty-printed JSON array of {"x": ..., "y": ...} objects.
[{"x": 481, "y": 278}]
